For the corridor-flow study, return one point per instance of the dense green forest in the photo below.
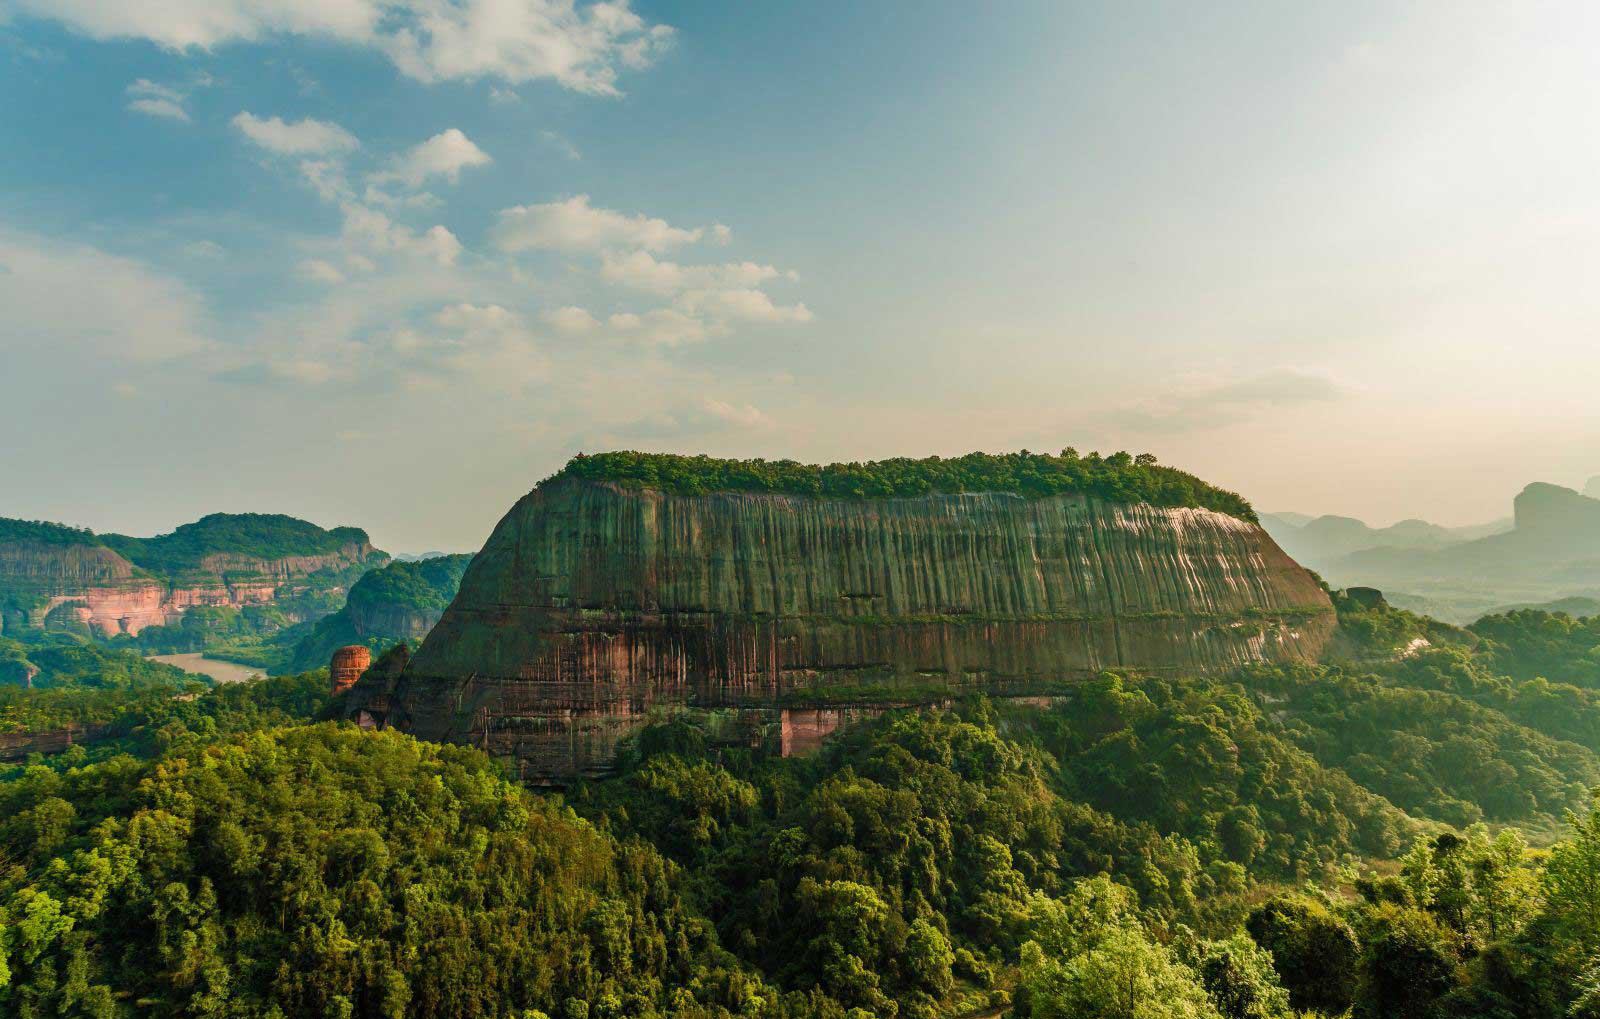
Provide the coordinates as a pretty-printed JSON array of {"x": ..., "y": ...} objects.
[
  {"x": 45, "y": 532},
  {"x": 1297, "y": 840},
  {"x": 1120, "y": 477},
  {"x": 255, "y": 535},
  {"x": 59, "y": 661},
  {"x": 396, "y": 594}
]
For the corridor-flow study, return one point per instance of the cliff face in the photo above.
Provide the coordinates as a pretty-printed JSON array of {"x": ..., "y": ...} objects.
[
  {"x": 98, "y": 587},
  {"x": 592, "y": 604}
]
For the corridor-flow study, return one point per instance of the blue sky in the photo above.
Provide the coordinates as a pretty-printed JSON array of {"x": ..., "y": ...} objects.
[{"x": 389, "y": 262}]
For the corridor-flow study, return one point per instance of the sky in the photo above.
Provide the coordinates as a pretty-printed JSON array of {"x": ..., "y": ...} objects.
[{"x": 391, "y": 262}]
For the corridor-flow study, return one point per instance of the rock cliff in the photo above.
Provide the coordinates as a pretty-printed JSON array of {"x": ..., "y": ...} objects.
[
  {"x": 594, "y": 605},
  {"x": 50, "y": 575}
]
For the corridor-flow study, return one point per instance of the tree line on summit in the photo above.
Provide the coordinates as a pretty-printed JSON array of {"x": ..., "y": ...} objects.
[{"x": 1120, "y": 477}]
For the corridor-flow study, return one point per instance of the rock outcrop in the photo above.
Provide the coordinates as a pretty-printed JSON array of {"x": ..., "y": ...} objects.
[
  {"x": 347, "y": 665},
  {"x": 51, "y": 575},
  {"x": 594, "y": 605}
]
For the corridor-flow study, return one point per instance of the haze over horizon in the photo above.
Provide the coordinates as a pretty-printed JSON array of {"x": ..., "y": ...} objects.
[{"x": 389, "y": 264}]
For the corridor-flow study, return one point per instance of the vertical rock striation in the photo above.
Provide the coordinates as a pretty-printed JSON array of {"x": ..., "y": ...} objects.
[{"x": 593, "y": 604}]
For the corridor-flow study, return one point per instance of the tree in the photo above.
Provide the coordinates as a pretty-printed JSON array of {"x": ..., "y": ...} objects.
[
  {"x": 1571, "y": 886},
  {"x": 1407, "y": 966},
  {"x": 1238, "y": 975},
  {"x": 1313, "y": 951},
  {"x": 1093, "y": 959}
]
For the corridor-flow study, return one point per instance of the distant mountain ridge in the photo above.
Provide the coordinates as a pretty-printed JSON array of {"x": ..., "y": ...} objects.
[
  {"x": 113, "y": 584},
  {"x": 1310, "y": 538},
  {"x": 1549, "y": 551}
]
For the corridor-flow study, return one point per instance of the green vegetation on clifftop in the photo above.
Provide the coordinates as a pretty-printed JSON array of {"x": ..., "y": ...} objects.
[
  {"x": 250, "y": 535},
  {"x": 1120, "y": 477},
  {"x": 45, "y": 532}
]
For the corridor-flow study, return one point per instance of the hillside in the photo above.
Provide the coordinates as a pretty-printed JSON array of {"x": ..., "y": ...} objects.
[
  {"x": 255, "y": 541},
  {"x": 400, "y": 601},
  {"x": 110, "y": 585},
  {"x": 598, "y": 597}
]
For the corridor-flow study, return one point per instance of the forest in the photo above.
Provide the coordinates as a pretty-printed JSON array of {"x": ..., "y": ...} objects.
[
  {"x": 1120, "y": 477},
  {"x": 1411, "y": 837},
  {"x": 253, "y": 535}
]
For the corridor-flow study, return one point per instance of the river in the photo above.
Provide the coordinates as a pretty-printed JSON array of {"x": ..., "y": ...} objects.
[{"x": 217, "y": 669}]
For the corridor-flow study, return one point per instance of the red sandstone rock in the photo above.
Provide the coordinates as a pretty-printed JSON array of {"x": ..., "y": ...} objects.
[
  {"x": 347, "y": 666},
  {"x": 594, "y": 608},
  {"x": 104, "y": 591}
]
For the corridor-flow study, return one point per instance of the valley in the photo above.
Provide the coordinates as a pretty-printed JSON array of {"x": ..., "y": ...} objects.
[{"x": 215, "y": 669}]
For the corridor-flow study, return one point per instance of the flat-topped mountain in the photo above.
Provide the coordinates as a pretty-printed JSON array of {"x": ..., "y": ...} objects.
[
  {"x": 770, "y": 592},
  {"x": 115, "y": 584}
]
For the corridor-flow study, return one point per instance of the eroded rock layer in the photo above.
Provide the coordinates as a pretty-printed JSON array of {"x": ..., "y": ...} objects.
[
  {"x": 93, "y": 585},
  {"x": 592, "y": 606}
]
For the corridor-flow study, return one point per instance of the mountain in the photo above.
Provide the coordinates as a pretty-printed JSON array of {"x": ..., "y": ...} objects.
[
  {"x": 397, "y": 602},
  {"x": 1552, "y": 551},
  {"x": 1317, "y": 540},
  {"x": 409, "y": 558},
  {"x": 1577, "y": 606},
  {"x": 629, "y": 582},
  {"x": 111, "y": 584}
]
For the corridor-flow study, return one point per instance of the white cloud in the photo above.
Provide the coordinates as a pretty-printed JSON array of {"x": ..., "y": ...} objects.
[
  {"x": 641, "y": 271},
  {"x": 705, "y": 416},
  {"x": 317, "y": 270},
  {"x": 581, "y": 46},
  {"x": 739, "y": 415},
  {"x": 302, "y": 137},
  {"x": 666, "y": 327},
  {"x": 742, "y": 305},
  {"x": 152, "y": 99},
  {"x": 204, "y": 249},
  {"x": 306, "y": 372},
  {"x": 445, "y": 155},
  {"x": 571, "y": 319},
  {"x": 153, "y": 90},
  {"x": 159, "y": 108},
  {"x": 1197, "y": 404},
  {"x": 575, "y": 225},
  {"x": 370, "y": 229},
  {"x": 490, "y": 345},
  {"x": 561, "y": 144},
  {"x": 68, "y": 297}
]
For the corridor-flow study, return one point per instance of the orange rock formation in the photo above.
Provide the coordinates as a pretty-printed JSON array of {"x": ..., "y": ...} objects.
[{"x": 347, "y": 666}]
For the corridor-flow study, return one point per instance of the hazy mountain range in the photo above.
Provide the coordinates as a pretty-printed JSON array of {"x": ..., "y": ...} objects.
[{"x": 1546, "y": 554}]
